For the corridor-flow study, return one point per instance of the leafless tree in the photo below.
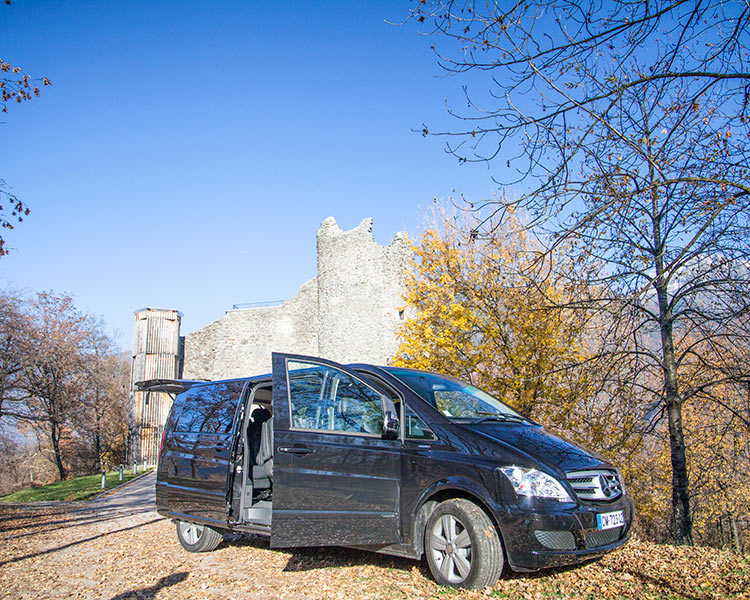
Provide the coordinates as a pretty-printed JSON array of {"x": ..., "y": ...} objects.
[
  {"x": 12, "y": 334},
  {"x": 624, "y": 125},
  {"x": 103, "y": 415},
  {"x": 53, "y": 376},
  {"x": 64, "y": 378}
]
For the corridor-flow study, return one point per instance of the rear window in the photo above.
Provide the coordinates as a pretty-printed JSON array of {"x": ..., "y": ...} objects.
[{"x": 210, "y": 408}]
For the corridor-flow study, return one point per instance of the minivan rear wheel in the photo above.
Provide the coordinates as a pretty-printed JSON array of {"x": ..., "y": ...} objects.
[
  {"x": 462, "y": 545},
  {"x": 197, "y": 538}
]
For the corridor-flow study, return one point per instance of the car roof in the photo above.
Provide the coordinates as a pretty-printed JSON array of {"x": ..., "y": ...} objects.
[{"x": 177, "y": 386}]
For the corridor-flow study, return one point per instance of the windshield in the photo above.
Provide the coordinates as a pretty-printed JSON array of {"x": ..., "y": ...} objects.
[{"x": 454, "y": 398}]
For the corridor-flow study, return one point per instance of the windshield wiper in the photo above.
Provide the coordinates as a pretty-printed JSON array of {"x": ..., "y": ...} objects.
[{"x": 500, "y": 417}]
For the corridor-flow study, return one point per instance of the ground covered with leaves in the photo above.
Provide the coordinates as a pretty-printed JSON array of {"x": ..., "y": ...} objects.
[{"x": 66, "y": 551}]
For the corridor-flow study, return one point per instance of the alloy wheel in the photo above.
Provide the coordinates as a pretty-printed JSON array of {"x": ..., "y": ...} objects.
[
  {"x": 192, "y": 532},
  {"x": 450, "y": 545}
]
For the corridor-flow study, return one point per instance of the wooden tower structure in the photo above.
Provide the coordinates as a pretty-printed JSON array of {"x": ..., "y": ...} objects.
[{"x": 157, "y": 354}]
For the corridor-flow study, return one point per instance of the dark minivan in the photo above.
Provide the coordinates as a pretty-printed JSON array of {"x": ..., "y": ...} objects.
[{"x": 388, "y": 459}]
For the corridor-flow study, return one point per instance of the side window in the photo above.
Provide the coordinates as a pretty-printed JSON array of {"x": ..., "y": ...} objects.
[
  {"x": 325, "y": 398},
  {"x": 416, "y": 429},
  {"x": 392, "y": 394},
  {"x": 210, "y": 408}
]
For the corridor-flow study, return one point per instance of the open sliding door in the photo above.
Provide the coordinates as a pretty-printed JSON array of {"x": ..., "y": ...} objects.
[{"x": 336, "y": 480}]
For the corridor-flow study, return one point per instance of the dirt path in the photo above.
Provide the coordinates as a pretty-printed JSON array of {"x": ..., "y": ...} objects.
[{"x": 118, "y": 547}]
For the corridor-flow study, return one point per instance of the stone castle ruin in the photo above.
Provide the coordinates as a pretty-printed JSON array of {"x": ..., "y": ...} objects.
[{"x": 350, "y": 312}]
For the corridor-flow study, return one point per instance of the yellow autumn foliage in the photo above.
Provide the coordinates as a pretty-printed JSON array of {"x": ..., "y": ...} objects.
[
  {"x": 720, "y": 475},
  {"x": 482, "y": 310},
  {"x": 718, "y": 455}
]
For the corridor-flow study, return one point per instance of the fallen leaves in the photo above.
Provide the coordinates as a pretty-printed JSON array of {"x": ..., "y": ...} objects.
[{"x": 63, "y": 552}]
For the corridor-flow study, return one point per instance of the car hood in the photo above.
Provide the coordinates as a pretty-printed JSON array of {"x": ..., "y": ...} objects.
[{"x": 537, "y": 444}]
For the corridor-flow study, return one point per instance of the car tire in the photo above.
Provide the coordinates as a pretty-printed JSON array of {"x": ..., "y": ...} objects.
[
  {"x": 462, "y": 545},
  {"x": 197, "y": 538}
]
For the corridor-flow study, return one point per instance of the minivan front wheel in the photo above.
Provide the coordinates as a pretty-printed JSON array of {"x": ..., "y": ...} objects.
[
  {"x": 462, "y": 545},
  {"x": 197, "y": 538}
]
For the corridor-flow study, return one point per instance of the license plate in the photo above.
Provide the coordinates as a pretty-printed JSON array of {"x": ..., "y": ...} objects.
[{"x": 610, "y": 520}]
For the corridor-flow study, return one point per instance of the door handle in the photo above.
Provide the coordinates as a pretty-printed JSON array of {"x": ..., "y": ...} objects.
[{"x": 298, "y": 450}]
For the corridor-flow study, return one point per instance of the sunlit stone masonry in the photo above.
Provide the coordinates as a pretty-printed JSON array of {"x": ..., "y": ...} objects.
[{"x": 349, "y": 312}]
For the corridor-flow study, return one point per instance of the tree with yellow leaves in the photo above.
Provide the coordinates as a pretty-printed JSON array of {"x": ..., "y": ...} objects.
[{"x": 483, "y": 312}]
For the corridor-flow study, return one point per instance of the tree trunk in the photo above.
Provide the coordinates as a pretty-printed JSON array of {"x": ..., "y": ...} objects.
[
  {"x": 98, "y": 450},
  {"x": 683, "y": 526},
  {"x": 55, "y": 436},
  {"x": 97, "y": 435},
  {"x": 735, "y": 534}
]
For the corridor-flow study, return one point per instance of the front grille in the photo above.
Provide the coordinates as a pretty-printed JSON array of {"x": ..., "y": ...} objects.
[
  {"x": 596, "y": 539},
  {"x": 596, "y": 484},
  {"x": 556, "y": 540}
]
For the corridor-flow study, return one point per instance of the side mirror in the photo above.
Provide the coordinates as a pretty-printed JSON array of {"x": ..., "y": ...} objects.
[{"x": 391, "y": 426}]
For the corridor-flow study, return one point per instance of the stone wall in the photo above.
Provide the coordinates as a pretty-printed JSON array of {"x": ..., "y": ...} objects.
[
  {"x": 240, "y": 343},
  {"x": 349, "y": 312}
]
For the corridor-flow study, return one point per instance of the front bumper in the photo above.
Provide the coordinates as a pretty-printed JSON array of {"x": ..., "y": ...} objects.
[{"x": 549, "y": 534}]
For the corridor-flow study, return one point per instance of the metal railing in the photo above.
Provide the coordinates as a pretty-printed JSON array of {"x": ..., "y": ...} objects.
[{"x": 245, "y": 305}]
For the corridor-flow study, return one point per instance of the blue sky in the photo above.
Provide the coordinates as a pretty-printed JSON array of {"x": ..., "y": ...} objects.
[{"x": 187, "y": 152}]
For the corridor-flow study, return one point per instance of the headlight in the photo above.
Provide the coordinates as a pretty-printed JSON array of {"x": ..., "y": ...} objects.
[{"x": 530, "y": 482}]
